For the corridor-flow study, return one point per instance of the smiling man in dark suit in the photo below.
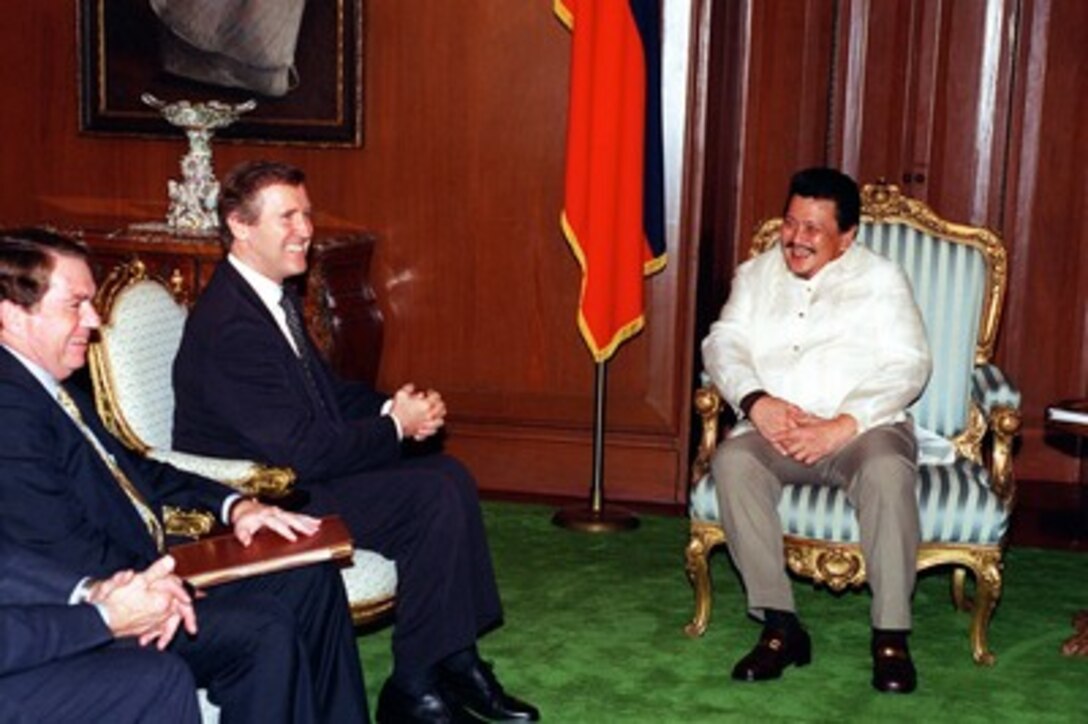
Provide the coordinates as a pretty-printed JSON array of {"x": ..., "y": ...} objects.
[
  {"x": 270, "y": 648},
  {"x": 248, "y": 382},
  {"x": 59, "y": 661}
]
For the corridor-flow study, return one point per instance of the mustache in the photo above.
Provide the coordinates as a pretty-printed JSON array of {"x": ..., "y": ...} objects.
[{"x": 791, "y": 245}]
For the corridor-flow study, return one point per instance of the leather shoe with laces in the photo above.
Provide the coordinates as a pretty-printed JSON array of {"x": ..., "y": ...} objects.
[
  {"x": 396, "y": 706},
  {"x": 893, "y": 669},
  {"x": 478, "y": 691},
  {"x": 773, "y": 653}
]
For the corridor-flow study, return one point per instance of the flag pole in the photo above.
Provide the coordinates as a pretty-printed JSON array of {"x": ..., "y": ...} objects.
[{"x": 598, "y": 517}]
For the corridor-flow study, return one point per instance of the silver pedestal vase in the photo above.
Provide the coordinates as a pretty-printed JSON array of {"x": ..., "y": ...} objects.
[{"x": 193, "y": 200}]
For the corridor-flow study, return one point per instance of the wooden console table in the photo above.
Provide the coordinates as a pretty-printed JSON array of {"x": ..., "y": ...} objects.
[
  {"x": 1071, "y": 417},
  {"x": 341, "y": 307}
]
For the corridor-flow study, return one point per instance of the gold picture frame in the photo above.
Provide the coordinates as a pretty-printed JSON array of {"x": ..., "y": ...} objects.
[{"x": 124, "y": 49}]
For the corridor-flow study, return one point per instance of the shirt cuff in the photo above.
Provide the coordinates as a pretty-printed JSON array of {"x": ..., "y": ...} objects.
[
  {"x": 80, "y": 592},
  {"x": 387, "y": 409},
  {"x": 80, "y": 595},
  {"x": 749, "y": 400},
  {"x": 224, "y": 510}
]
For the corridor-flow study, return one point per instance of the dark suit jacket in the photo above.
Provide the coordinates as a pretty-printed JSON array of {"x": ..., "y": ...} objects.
[
  {"x": 240, "y": 392},
  {"x": 58, "y": 497},
  {"x": 36, "y": 623}
]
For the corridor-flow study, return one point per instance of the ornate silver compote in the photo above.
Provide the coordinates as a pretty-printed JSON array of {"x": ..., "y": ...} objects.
[{"x": 193, "y": 200}]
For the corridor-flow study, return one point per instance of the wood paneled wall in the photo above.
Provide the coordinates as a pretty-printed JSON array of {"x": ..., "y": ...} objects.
[
  {"x": 461, "y": 179},
  {"x": 1045, "y": 222}
]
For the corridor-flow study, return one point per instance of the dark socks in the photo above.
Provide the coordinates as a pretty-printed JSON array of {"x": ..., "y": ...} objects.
[
  {"x": 459, "y": 661},
  {"x": 412, "y": 683},
  {"x": 416, "y": 683},
  {"x": 781, "y": 621},
  {"x": 896, "y": 638}
]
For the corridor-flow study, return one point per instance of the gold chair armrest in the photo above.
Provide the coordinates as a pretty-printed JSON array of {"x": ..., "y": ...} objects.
[
  {"x": 266, "y": 482},
  {"x": 187, "y": 523},
  {"x": 708, "y": 405},
  {"x": 1004, "y": 425},
  {"x": 245, "y": 476}
]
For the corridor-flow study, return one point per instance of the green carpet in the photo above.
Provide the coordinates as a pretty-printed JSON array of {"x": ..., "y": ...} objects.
[{"x": 593, "y": 633}]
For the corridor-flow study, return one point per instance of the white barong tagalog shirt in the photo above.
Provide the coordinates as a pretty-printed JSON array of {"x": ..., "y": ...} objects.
[{"x": 849, "y": 340}]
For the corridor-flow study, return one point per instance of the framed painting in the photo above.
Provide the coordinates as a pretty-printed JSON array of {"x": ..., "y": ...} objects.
[{"x": 300, "y": 60}]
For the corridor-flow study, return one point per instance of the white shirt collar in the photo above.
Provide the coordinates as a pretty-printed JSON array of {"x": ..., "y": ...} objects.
[
  {"x": 269, "y": 291},
  {"x": 50, "y": 384},
  {"x": 842, "y": 264}
]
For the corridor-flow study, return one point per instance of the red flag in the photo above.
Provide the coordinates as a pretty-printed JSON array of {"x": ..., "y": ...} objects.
[{"x": 613, "y": 215}]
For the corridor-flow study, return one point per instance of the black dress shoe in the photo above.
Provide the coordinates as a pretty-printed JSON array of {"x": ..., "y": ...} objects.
[
  {"x": 775, "y": 651},
  {"x": 480, "y": 693},
  {"x": 893, "y": 670},
  {"x": 397, "y": 707}
]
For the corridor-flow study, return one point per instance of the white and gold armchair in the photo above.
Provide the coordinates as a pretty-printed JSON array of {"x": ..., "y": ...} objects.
[
  {"x": 131, "y": 369},
  {"x": 966, "y": 418}
]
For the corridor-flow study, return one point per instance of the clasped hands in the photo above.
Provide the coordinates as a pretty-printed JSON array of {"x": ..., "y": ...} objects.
[
  {"x": 798, "y": 434},
  {"x": 149, "y": 605},
  {"x": 420, "y": 414}
]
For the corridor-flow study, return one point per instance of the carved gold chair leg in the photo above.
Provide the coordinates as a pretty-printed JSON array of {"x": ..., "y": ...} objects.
[
  {"x": 697, "y": 555},
  {"x": 987, "y": 593},
  {"x": 986, "y": 600},
  {"x": 959, "y": 590}
]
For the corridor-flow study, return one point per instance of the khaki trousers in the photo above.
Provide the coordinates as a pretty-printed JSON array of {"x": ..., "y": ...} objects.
[{"x": 878, "y": 472}]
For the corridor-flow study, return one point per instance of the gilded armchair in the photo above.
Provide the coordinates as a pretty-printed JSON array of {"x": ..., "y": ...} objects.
[
  {"x": 131, "y": 369},
  {"x": 967, "y": 418}
]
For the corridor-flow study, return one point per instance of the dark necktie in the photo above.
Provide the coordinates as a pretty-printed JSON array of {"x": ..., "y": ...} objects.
[
  {"x": 154, "y": 528},
  {"x": 298, "y": 336}
]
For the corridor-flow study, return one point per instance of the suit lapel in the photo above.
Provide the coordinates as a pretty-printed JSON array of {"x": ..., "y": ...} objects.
[
  {"x": 105, "y": 485},
  {"x": 250, "y": 304},
  {"x": 90, "y": 481}
]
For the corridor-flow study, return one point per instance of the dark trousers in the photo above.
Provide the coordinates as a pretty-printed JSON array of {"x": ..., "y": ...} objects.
[
  {"x": 278, "y": 648},
  {"x": 117, "y": 683},
  {"x": 424, "y": 514}
]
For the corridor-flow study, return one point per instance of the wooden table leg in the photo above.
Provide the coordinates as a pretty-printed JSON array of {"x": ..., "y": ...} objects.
[{"x": 1077, "y": 644}]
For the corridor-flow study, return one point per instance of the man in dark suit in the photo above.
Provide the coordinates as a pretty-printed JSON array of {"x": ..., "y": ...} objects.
[
  {"x": 269, "y": 648},
  {"x": 58, "y": 661},
  {"x": 248, "y": 382}
]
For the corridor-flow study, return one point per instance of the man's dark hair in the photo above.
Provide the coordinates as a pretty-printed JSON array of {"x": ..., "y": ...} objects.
[
  {"x": 832, "y": 185},
  {"x": 238, "y": 193},
  {"x": 27, "y": 258}
]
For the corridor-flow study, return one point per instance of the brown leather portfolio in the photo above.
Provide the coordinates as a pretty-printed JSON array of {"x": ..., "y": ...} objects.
[{"x": 222, "y": 558}]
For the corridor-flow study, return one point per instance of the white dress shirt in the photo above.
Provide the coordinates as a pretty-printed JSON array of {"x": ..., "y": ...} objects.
[{"x": 849, "y": 340}]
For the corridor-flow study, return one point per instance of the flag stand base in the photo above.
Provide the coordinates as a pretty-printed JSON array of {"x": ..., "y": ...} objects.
[
  {"x": 609, "y": 519},
  {"x": 595, "y": 516}
]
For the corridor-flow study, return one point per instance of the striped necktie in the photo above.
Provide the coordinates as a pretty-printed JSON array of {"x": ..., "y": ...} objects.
[
  {"x": 305, "y": 357},
  {"x": 137, "y": 500}
]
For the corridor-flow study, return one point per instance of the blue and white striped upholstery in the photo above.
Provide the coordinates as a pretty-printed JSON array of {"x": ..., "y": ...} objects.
[
  {"x": 949, "y": 281},
  {"x": 990, "y": 388}
]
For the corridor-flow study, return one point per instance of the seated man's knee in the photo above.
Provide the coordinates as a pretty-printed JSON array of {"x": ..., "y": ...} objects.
[
  {"x": 888, "y": 476},
  {"x": 263, "y": 622},
  {"x": 737, "y": 464},
  {"x": 171, "y": 675}
]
